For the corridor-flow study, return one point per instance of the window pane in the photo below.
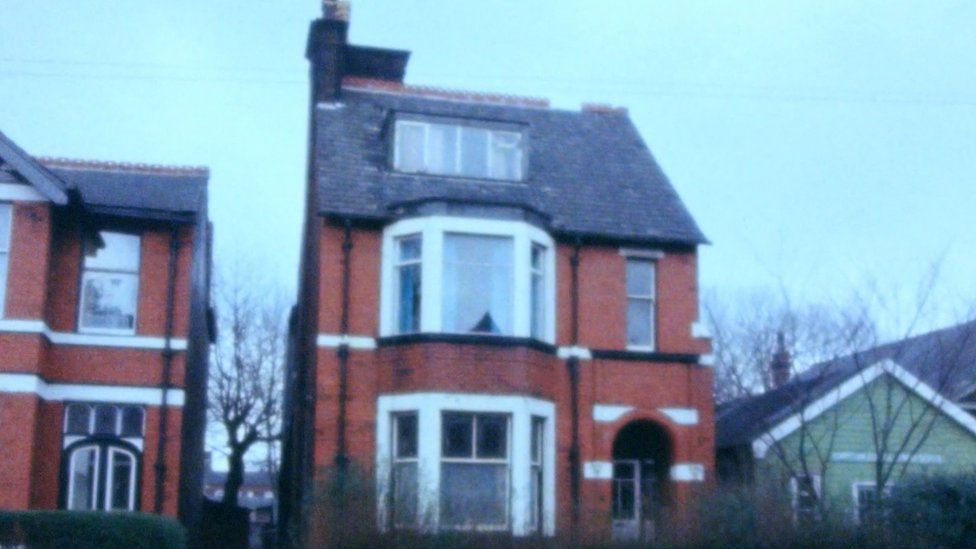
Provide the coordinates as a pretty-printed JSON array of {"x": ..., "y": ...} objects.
[
  {"x": 624, "y": 481},
  {"x": 6, "y": 217},
  {"x": 410, "y": 147},
  {"x": 538, "y": 426},
  {"x": 3, "y": 279},
  {"x": 473, "y": 494},
  {"x": 442, "y": 149},
  {"x": 640, "y": 277},
  {"x": 77, "y": 420},
  {"x": 409, "y": 248},
  {"x": 132, "y": 421},
  {"x": 405, "y": 493},
  {"x": 84, "y": 463},
  {"x": 474, "y": 152},
  {"x": 123, "y": 467},
  {"x": 5, "y": 222},
  {"x": 408, "y": 317},
  {"x": 120, "y": 253},
  {"x": 492, "y": 436},
  {"x": 536, "y": 498},
  {"x": 477, "y": 284},
  {"x": 109, "y": 301},
  {"x": 105, "y": 420},
  {"x": 639, "y": 322},
  {"x": 406, "y": 436},
  {"x": 506, "y": 155},
  {"x": 457, "y": 435},
  {"x": 538, "y": 292}
]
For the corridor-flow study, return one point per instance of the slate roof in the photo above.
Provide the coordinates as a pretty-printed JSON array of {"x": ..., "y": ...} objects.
[
  {"x": 944, "y": 359},
  {"x": 133, "y": 189},
  {"x": 589, "y": 172}
]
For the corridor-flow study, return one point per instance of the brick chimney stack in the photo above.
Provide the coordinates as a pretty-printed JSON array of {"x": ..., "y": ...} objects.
[
  {"x": 782, "y": 363},
  {"x": 326, "y": 50}
]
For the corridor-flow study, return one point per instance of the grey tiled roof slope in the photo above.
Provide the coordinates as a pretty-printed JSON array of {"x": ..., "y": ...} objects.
[
  {"x": 589, "y": 172},
  {"x": 944, "y": 359},
  {"x": 136, "y": 191}
]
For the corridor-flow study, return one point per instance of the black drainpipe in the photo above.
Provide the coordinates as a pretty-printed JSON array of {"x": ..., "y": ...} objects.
[
  {"x": 342, "y": 352},
  {"x": 167, "y": 354},
  {"x": 572, "y": 368}
]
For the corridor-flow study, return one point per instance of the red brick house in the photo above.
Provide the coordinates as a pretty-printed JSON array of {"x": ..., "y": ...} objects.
[
  {"x": 104, "y": 275},
  {"x": 498, "y": 310}
]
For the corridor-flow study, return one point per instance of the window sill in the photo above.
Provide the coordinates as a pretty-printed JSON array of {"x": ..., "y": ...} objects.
[
  {"x": 106, "y": 332},
  {"x": 493, "y": 340}
]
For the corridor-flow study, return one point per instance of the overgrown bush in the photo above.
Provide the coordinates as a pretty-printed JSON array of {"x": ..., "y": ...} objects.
[
  {"x": 934, "y": 511},
  {"x": 89, "y": 529}
]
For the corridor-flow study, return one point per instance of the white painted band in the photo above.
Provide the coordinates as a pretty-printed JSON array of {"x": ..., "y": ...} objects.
[
  {"x": 688, "y": 472},
  {"x": 16, "y": 192},
  {"x": 581, "y": 353},
  {"x": 706, "y": 360},
  {"x": 119, "y": 394},
  {"x": 597, "y": 470},
  {"x": 95, "y": 340},
  {"x": 699, "y": 330},
  {"x": 681, "y": 416},
  {"x": 608, "y": 413},
  {"x": 354, "y": 342}
]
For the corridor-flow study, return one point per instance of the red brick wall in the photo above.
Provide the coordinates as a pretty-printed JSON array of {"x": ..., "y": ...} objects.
[
  {"x": 28, "y": 265},
  {"x": 18, "y": 416},
  {"x": 445, "y": 367},
  {"x": 43, "y": 284}
]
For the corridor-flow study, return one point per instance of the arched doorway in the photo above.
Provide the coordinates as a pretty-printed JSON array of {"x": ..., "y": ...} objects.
[{"x": 641, "y": 462}]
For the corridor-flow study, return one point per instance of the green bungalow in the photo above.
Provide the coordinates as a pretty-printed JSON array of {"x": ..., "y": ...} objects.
[{"x": 827, "y": 439}]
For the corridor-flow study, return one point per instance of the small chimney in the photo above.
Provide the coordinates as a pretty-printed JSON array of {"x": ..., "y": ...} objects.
[
  {"x": 326, "y": 50},
  {"x": 782, "y": 363}
]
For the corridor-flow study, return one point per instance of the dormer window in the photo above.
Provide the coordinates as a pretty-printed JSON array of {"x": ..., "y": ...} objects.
[{"x": 442, "y": 148}]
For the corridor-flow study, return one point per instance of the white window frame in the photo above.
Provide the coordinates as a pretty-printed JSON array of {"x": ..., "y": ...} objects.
[
  {"x": 537, "y": 468},
  {"x": 795, "y": 494},
  {"x": 459, "y": 128},
  {"x": 430, "y": 408},
  {"x": 95, "y": 479},
  {"x": 433, "y": 229},
  {"x": 110, "y": 478},
  {"x": 89, "y": 273},
  {"x": 652, "y": 257},
  {"x": 5, "y": 251},
  {"x": 540, "y": 274},
  {"x": 70, "y": 438},
  {"x": 400, "y": 264},
  {"x": 856, "y": 496}
]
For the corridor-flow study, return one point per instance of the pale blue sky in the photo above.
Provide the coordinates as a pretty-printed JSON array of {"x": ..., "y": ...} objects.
[{"x": 820, "y": 145}]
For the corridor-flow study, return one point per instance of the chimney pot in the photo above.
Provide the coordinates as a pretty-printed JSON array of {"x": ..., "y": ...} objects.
[
  {"x": 336, "y": 10},
  {"x": 782, "y": 363}
]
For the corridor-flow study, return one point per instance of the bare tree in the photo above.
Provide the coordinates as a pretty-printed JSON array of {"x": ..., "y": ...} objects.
[{"x": 246, "y": 376}]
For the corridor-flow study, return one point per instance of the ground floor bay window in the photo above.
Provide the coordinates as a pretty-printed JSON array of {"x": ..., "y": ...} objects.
[{"x": 466, "y": 462}]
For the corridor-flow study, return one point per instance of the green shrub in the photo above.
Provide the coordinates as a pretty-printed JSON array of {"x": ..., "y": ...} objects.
[
  {"x": 89, "y": 529},
  {"x": 934, "y": 511}
]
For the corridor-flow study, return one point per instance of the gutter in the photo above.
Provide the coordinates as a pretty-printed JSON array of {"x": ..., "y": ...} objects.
[{"x": 167, "y": 356}]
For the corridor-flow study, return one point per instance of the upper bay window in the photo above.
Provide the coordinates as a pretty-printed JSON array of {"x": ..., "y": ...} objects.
[
  {"x": 468, "y": 276},
  {"x": 6, "y": 223},
  {"x": 110, "y": 286},
  {"x": 443, "y": 148}
]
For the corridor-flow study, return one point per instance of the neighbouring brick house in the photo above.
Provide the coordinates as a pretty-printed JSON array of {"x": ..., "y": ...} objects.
[
  {"x": 498, "y": 311},
  {"x": 104, "y": 276}
]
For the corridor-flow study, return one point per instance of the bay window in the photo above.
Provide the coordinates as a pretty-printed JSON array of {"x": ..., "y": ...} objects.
[
  {"x": 448, "y": 461},
  {"x": 110, "y": 285},
  {"x": 6, "y": 223},
  {"x": 453, "y": 149},
  {"x": 467, "y": 276}
]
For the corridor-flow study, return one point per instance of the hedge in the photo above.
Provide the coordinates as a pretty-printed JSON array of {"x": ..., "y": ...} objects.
[{"x": 89, "y": 529}]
